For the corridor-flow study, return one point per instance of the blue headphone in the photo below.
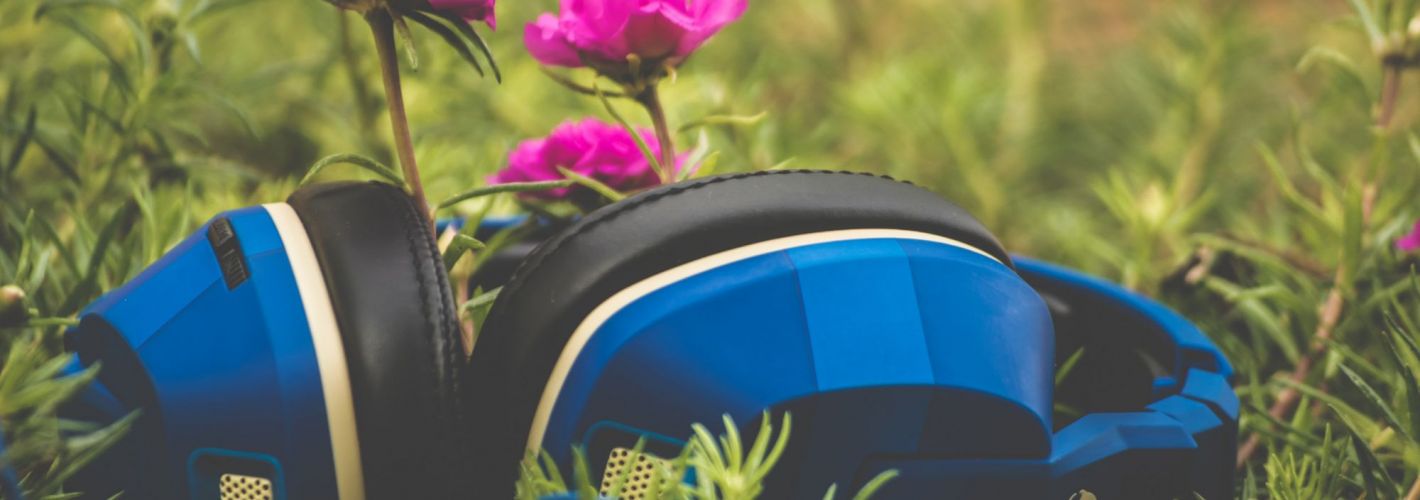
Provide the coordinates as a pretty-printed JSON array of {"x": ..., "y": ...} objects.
[{"x": 310, "y": 349}]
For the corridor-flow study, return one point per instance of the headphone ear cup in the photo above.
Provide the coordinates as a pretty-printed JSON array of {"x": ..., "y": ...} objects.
[
  {"x": 401, "y": 336},
  {"x": 567, "y": 276}
]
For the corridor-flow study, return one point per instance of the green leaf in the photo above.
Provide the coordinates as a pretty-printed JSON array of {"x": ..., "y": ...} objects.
[
  {"x": 63, "y": 163},
  {"x": 731, "y": 443},
  {"x": 207, "y": 8},
  {"x": 769, "y": 461},
  {"x": 631, "y": 465},
  {"x": 1412, "y": 386},
  {"x": 85, "y": 448},
  {"x": 1414, "y": 143},
  {"x": 135, "y": 26},
  {"x": 875, "y": 484},
  {"x": 1375, "y": 399},
  {"x": 225, "y": 102},
  {"x": 729, "y": 120},
  {"x": 1368, "y": 21},
  {"x": 1249, "y": 490},
  {"x": 478, "y": 308},
  {"x": 407, "y": 39},
  {"x": 22, "y": 143},
  {"x": 194, "y": 50},
  {"x": 48, "y": 322},
  {"x": 1341, "y": 407},
  {"x": 1401, "y": 333},
  {"x": 117, "y": 71},
  {"x": 782, "y": 164},
  {"x": 1257, "y": 315},
  {"x": 1289, "y": 431},
  {"x": 44, "y": 397},
  {"x": 640, "y": 141},
  {"x": 1068, "y": 366},
  {"x": 449, "y": 36},
  {"x": 81, "y": 292},
  {"x": 502, "y": 239},
  {"x": 462, "y": 244},
  {"x": 468, "y": 32},
  {"x": 510, "y": 187},
  {"x": 368, "y": 164},
  {"x": 1352, "y": 237},
  {"x": 1371, "y": 469},
  {"x": 700, "y": 160},
  {"x": 581, "y": 474},
  {"x": 1289, "y": 189},
  {"x": 553, "y": 474},
  {"x": 473, "y": 35},
  {"x": 97, "y": 110},
  {"x": 593, "y": 184},
  {"x": 572, "y": 85},
  {"x": 1319, "y": 54},
  {"x": 469, "y": 230}
]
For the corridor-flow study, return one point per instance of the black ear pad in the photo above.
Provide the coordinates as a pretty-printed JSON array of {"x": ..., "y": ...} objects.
[
  {"x": 557, "y": 285},
  {"x": 401, "y": 336}
]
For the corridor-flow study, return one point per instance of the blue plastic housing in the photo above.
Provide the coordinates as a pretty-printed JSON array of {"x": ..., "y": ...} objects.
[
  {"x": 226, "y": 379},
  {"x": 897, "y": 354}
]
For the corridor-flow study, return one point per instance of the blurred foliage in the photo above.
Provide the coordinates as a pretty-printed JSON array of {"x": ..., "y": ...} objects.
[
  {"x": 1220, "y": 155},
  {"x": 709, "y": 467}
]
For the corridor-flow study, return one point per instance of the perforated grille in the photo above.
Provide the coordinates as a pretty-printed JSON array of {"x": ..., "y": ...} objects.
[
  {"x": 638, "y": 482},
  {"x": 239, "y": 487}
]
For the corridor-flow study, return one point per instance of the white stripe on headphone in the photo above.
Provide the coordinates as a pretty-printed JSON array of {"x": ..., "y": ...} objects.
[
  {"x": 330, "y": 351},
  {"x": 628, "y": 295}
]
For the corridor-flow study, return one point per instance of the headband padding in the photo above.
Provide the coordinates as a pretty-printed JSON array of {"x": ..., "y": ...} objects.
[
  {"x": 401, "y": 336},
  {"x": 569, "y": 275}
]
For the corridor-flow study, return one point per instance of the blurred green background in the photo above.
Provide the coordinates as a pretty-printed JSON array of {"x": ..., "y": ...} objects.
[
  {"x": 1025, "y": 112},
  {"x": 1217, "y": 154}
]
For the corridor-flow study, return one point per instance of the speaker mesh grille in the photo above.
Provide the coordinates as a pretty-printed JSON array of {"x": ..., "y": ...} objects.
[
  {"x": 638, "y": 482},
  {"x": 239, "y": 487}
]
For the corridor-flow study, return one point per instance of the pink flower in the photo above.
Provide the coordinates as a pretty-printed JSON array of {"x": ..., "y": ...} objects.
[
  {"x": 604, "y": 32},
  {"x": 1410, "y": 242},
  {"x": 598, "y": 150},
  {"x": 470, "y": 10}
]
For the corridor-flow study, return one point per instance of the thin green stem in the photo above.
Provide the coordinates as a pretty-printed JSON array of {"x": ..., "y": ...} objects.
[
  {"x": 650, "y": 98},
  {"x": 382, "y": 25}
]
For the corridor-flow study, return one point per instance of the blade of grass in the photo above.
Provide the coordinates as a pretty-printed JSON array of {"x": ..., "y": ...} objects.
[
  {"x": 365, "y": 163},
  {"x": 510, "y": 187}
]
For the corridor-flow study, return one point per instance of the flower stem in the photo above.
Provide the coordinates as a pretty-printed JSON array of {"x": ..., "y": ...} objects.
[
  {"x": 651, "y": 100},
  {"x": 382, "y": 25},
  {"x": 1330, "y": 311},
  {"x": 1390, "y": 92}
]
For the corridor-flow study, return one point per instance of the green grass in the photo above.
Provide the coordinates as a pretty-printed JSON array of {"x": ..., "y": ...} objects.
[{"x": 1221, "y": 156}]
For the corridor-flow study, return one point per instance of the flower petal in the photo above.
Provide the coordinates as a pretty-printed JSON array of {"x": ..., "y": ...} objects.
[
  {"x": 711, "y": 16},
  {"x": 656, "y": 32},
  {"x": 1410, "y": 242},
  {"x": 547, "y": 43},
  {"x": 597, "y": 26}
]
